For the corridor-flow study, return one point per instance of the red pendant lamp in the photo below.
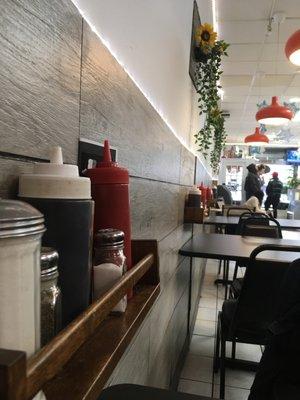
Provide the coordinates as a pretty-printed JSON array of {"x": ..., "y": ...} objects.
[
  {"x": 292, "y": 48},
  {"x": 257, "y": 138},
  {"x": 275, "y": 114}
]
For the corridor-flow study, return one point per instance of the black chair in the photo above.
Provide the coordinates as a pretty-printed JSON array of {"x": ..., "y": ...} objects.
[
  {"x": 231, "y": 230},
  {"x": 232, "y": 212},
  {"x": 256, "y": 224},
  {"x": 247, "y": 318},
  {"x": 261, "y": 223},
  {"x": 284, "y": 390},
  {"x": 278, "y": 372},
  {"x": 137, "y": 392}
]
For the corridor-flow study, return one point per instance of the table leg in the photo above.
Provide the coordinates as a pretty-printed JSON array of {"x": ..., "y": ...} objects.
[
  {"x": 225, "y": 280},
  {"x": 226, "y": 267}
]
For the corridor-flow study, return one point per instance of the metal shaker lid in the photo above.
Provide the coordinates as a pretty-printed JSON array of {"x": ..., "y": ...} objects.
[
  {"x": 18, "y": 218},
  {"x": 49, "y": 260},
  {"x": 109, "y": 237}
]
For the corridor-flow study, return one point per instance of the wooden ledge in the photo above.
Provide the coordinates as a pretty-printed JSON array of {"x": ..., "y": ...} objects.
[
  {"x": 78, "y": 361},
  {"x": 85, "y": 375}
]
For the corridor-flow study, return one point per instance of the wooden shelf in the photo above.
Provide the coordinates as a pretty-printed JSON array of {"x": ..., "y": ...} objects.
[
  {"x": 84, "y": 376},
  {"x": 78, "y": 361}
]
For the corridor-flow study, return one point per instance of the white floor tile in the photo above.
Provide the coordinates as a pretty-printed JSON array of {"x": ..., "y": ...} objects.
[
  {"x": 212, "y": 268},
  {"x": 220, "y": 304},
  {"x": 221, "y": 292},
  {"x": 198, "y": 368},
  {"x": 206, "y": 313},
  {"x": 237, "y": 378},
  {"x": 209, "y": 292},
  {"x": 195, "y": 387},
  {"x": 202, "y": 345},
  {"x": 209, "y": 282},
  {"x": 232, "y": 393},
  {"x": 210, "y": 274},
  {"x": 205, "y": 328},
  {"x": 208, "y": 302},
  {"x": 249, "y": 352},
  {"x": 197, "y": 373}
]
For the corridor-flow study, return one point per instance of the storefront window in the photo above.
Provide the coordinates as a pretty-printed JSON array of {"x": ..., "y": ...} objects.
[{"x": 234, "y": 176}]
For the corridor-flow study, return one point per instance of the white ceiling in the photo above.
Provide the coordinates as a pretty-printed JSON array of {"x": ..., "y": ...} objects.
[{"x": 253, "y": 72}]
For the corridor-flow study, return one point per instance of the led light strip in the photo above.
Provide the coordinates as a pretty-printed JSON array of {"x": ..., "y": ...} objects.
[
  {"x": 115, "y": 55},
  {"x": 214, "y": 15}
]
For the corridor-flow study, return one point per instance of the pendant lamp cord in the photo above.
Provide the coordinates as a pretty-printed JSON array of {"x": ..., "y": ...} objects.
[{"x": 277, "y": 57}]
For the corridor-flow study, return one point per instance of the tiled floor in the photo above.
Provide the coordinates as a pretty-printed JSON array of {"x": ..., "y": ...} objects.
[{"x": 197, "y": 376}]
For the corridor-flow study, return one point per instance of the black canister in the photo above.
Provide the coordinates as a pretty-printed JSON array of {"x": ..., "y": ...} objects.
[
  {"x": 64, "y": 198},
  {"x": 194, "y": 197}
]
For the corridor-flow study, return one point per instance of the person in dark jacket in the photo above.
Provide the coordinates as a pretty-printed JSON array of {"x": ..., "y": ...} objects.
[
  {"x": 223, "y": 191},
  {"x": 253, "y": 185},
  {"x": 273, "y": 190}
]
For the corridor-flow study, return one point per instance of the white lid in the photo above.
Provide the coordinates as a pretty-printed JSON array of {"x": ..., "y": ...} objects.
[
  {"x": 55, "y": 180},
  {"x": 195, "y": 190}
]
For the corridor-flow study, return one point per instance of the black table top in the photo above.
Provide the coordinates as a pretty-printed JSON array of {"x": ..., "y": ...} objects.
[
  {"x": 235, "y": 247},
  {"x": 223, "y": 220}
]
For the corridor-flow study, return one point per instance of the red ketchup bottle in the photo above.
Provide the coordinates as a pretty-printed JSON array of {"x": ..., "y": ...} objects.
[
  {"x": 203, "y": 194},
  {"x": 110, "y": 192},
  {"x": 208, "y": 194}
]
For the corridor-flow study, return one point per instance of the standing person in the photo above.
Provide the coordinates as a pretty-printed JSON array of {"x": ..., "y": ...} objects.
[
  {"x": 252, "y": 185},
  {"x": 273, "y": 190},
  {"x": 261, "y": 169}
]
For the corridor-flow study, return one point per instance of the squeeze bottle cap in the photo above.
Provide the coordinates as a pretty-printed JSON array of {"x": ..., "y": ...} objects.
[
  {"x": 106, "y": 162},
  {"x": 54, "y": 180},
  {"x": 107, "y": 171},
  {"x": 194, "y": 190}
]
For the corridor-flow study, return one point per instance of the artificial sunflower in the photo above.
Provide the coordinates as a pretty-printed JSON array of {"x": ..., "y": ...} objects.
[{"x": 205, "y": 35}]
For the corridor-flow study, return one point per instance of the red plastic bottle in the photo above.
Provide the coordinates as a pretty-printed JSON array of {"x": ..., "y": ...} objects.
[
  {"x": 208, "y": 194},
  {"x": 203, "y": 194},
  {"x": 110, "y": 192}
]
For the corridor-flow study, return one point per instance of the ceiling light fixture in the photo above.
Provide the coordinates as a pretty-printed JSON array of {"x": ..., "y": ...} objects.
[
  {"x": 274, "y": 114},
  {"x": 256, "y": 139},
  {"x": 292, "y": 48}
]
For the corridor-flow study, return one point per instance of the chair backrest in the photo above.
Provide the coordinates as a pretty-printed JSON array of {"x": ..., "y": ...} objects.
[
  {"x": 254, "y": 218},
  {"x": 258, "y": 303},
  {"x": 235, "y": 210},
  {"x": 258, "y": 224},
  {"x": 245, "y": 215}
]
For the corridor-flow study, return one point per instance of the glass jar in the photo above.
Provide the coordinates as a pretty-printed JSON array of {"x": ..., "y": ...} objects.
[
  {"x": 21, "y": 229},
  {"x": 50, "y": 295},
  {"x": 109, "y": 263}
]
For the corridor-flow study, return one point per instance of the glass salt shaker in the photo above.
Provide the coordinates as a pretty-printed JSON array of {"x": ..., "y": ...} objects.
[
  {"x": 50, "y": 295},
  {"x": 109, "y": 263}
]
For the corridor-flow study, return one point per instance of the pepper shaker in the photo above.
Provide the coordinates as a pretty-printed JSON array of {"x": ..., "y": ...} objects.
[{"x": 50, "y": 295}]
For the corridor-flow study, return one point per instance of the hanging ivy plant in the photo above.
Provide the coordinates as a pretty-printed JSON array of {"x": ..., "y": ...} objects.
[{"x": 208, "y": 54}]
